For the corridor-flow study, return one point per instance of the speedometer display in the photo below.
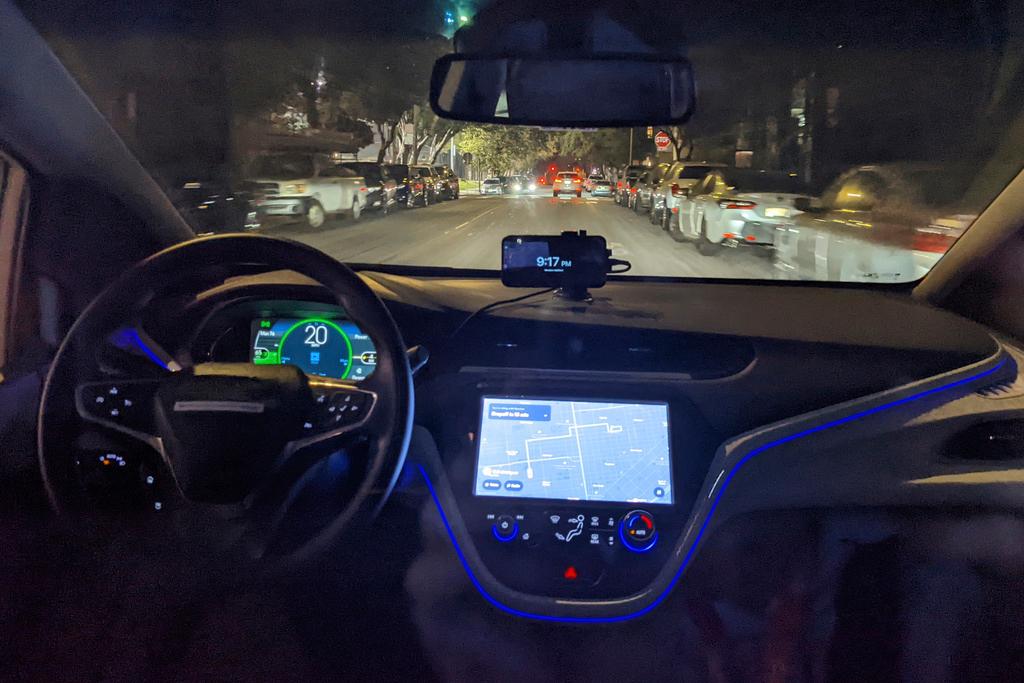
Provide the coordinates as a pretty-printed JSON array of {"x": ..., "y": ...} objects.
[{"x": 319, "y": 346}]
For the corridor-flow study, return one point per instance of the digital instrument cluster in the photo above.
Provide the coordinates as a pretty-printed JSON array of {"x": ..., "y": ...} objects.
[{"x": 319, "y": 346}]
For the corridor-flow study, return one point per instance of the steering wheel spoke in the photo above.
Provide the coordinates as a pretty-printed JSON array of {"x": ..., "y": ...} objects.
[
  {"x": 339, "y": 409},
  {"x": 124, "y": 406}
]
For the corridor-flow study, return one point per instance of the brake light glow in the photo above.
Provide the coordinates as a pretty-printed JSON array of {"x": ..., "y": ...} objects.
[
  {"x": 736, "y": 204},
  {"x": 676, "y": 190},
  {"x": 931, "y": 241},
  {"x": 619, "y": 185},
  {"x": 363, "y": 189}
]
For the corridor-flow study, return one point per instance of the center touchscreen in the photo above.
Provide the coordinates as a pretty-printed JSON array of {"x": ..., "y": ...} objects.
[{"x": 574, "y": 450}]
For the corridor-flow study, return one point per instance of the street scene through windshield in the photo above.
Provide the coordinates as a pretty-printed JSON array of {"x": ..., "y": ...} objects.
[{"x": 829, "y": 142}]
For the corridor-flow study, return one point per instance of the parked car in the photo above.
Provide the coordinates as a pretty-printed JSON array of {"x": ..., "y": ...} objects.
[
  {"x": 738, "y": 208},
  {"x": 381, "y": 188},
  {"x": 626, "y": 180},
  {"x": 212, "y": 206},
  {"x": 567, "y": 182},
  {"x": 601, "y": 188},
  {"x": 448, "y": 183},
  {"x": 677, "y": 180},
  {"x": 492, "y": 186},
  {"x": 307, "y": 186},
  {"x": 588, "y": 184},
  {"x": 646, "y": 186},
  {"x": 410, "y": 187},
  {"x": 432, "y": 183},
  {"x": 877, "y": 223}
]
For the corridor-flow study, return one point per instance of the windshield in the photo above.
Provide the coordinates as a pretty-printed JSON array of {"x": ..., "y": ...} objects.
[{"x": 864, "y": 130}]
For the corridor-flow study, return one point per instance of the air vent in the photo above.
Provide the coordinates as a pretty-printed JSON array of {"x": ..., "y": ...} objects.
[
  {"x": 990, "y": 441},
  {"x": 1003, "y": 389},
  {"x": 528, "y": 344}
]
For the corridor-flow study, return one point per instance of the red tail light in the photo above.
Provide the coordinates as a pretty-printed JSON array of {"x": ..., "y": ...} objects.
[
  {"x": 418, "y": 186},
  {"x": 619, "y": 186},
  {"x": 677, "y": 191},
  {"x": 577, "y": 180},
  {"x": 632, "y": 190},
  {"x": 363, "y": 189},
  {"x": 932, "y": 241},
  {"x": 736, "y": 204}
]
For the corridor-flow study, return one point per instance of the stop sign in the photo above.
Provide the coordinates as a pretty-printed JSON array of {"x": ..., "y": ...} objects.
[{"x": 662, "y": 141}]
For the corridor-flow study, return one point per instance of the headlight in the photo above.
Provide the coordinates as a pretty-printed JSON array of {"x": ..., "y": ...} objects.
[{"x": 294, "y": 188}]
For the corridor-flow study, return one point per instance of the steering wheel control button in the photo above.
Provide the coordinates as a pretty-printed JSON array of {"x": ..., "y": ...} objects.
[
  {"x": 638, "y": 531},
  {"x": 332, "y": 410},
  {"x": 118, "y": 403},
  {"x": 505, "y": 528}
]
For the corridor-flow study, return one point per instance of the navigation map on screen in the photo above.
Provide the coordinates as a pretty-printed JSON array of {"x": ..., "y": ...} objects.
[{"x": 574, "y": 450}]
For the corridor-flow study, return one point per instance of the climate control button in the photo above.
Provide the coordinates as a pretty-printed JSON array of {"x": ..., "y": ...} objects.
[
  {"x": 505, "y": 528},
  {"x": 638, "y": 531}
]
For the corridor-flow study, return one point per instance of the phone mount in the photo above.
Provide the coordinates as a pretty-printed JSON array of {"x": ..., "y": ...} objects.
[{"x": 571, "y": 263}]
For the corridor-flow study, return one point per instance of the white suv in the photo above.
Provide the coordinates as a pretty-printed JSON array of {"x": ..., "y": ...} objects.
[{"x": 307, "y": 186}]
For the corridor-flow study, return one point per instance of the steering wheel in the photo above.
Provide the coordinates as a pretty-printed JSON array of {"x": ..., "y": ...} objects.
[{"x": 236, "y": 435}]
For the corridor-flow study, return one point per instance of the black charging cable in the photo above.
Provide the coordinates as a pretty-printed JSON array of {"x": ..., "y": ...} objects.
[{"x": 495, "y": 304}]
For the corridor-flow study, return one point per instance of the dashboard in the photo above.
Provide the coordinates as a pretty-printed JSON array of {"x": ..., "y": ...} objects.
[{"x": 574, "y": 452}]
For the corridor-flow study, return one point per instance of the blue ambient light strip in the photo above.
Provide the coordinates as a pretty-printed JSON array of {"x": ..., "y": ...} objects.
[{"x": 696, "y": 541}]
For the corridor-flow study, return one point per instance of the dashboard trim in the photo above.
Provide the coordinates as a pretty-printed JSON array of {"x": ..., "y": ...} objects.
[{"x": 582, "y": 611}]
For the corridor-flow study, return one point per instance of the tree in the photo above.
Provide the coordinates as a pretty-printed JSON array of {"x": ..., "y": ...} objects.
[
  {"x": 432, "y": 135},
  {"x": 682, "y": 143},
  {"x": 503, "y": 149},
  {"x": 386, "y": 76}
]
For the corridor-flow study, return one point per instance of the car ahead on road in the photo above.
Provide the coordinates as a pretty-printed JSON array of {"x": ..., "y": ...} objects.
[
  {"x": 567, "y": 182},
  {"x": 646, "y": 187},
  {"x": 519, "y": 184},
  {"x": 674, "y": 188},
  {"x": 601, "y": 188},
  {"x": 740, "y": 207},
  {"x": 492, "y": 186},
  {"x": 877, "y": 223},
  {"x": 448, "y": 182},
  {"x": 212, "y": 207},
  {"x": 381, "y": 188},
  {"x": 307, "y": 186}
]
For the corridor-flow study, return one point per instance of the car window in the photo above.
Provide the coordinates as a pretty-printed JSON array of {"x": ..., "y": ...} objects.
[
  {"x": 284, "y": 167},
  {"x": 691, "y": 172},
  {"x": 862, "y": 192},
  {"x": 340, "y": 172}
]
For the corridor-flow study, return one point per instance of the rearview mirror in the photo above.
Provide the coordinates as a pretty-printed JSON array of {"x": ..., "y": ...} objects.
[{"x": 572, "y": 92}]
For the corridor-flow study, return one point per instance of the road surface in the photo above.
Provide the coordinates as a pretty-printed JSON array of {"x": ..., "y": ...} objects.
[{"x": 466, "y": 233}]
